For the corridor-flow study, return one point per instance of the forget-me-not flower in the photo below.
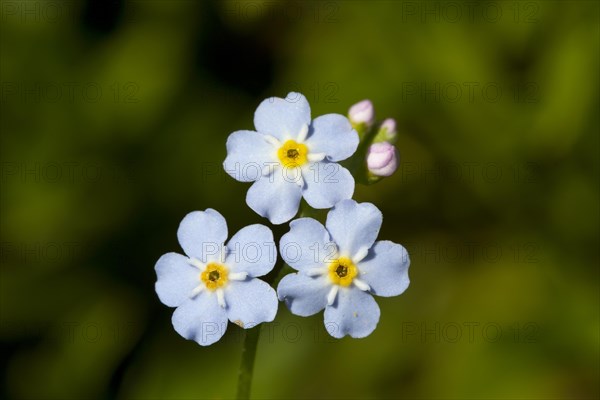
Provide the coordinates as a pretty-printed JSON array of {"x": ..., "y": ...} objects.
[
  {"x": 340, "y": 267},
  {"x": 289, "y": 157},
  {"x": 215, "y": 282}
]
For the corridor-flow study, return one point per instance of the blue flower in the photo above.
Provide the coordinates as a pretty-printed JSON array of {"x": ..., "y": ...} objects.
[
  {"x": 290, "y": 157},
  {"x": 217, "y": 282},
  {"x": 340, "y": 267}
]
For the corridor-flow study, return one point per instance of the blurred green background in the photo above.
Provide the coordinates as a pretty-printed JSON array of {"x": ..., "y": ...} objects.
[{"x": 114, "y": 119}]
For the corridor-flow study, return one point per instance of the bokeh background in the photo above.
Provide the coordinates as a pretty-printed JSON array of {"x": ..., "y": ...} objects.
[{"x": 114, "y": 119}]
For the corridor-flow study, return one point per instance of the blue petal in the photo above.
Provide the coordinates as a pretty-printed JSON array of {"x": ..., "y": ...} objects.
[
  {"x": 201, "y": 234},
  {"x": 252, "y": 250},
  {"x": 250, "y": 302},
  {"x": 307, "y": 244},
  {"x": 354, "y": 226},
  {"x": 275, "y": 197},
  {"x": 283, "y": 118},
  {"x": 248, "y": 152},
  {"x": 176, "y": 279},
  {"x": 201, "y": 319},
  {"x": 333, "y": 135},
  {"x": 326, "y": 184},
  {"x": 385, "y": 269},
  {"x": 304, "y": 295},
  {"x": 354, "y": 313}
]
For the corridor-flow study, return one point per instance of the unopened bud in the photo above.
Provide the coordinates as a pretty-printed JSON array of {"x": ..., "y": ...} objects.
[
  {"x": 382, "y": 159},
  {"x": 362, "y": 113},
  {"x": 387, "y": 131}
]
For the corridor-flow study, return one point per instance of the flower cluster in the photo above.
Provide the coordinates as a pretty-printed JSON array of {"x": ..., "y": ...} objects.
[
  {"x": 382, "y": 156},
  {"x": 338, "y": 266}
]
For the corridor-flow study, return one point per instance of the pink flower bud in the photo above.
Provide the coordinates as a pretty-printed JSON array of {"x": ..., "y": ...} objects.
[
  {"x": 362, "y": 113},
  {"x": 389, "y": 125},
  {"x": 382, "y": 159}
]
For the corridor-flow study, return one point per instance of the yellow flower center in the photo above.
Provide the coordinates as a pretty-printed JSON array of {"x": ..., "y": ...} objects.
[
  {"x": 292, "y": 154},
  {"x": 342, "y": 271},
  {"x": 214, "y": 276}
]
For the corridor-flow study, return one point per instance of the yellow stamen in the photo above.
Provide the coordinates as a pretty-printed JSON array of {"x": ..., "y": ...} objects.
[
  {"x": 214, "y": 276},
  {"x": 342, "y": 271},
  {"x": 292, "y": 154}
]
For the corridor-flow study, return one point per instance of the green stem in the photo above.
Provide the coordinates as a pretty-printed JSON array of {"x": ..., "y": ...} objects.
[
  {"x": 247, "y": 365},
  {"x": 252, "y": 334}
]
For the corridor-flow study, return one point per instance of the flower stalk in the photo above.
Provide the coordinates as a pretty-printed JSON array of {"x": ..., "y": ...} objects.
[{"x": 247, "y": 363}]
